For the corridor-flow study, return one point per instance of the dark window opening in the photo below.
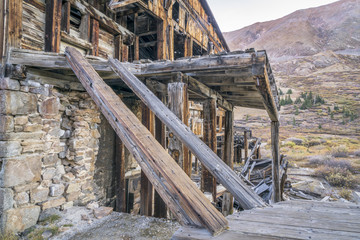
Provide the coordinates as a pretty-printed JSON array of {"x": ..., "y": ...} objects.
[
  {"x": 75, "y": 18},
  {"x": 148, "y": 47},
  {"x": 179, "y": 45},
  {"x": 198, "y": 50},
  {"x": 175, "y": 13}
]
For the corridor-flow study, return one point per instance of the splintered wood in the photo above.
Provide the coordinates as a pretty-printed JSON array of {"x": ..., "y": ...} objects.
[
  {"x": 247, "y": 198},
  {"x": 180, "y": 194}
]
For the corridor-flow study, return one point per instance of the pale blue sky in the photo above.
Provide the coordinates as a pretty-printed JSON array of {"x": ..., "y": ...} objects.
[{"x": 235, "y": 14}]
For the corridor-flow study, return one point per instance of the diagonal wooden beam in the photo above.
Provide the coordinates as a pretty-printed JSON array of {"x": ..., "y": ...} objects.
[
  {"x": 247, "y": 198},
  {"x": 182, "y": 196}
]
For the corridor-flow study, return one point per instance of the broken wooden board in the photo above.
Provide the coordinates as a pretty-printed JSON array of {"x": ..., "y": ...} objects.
[
  {"x": 177, "y": 190},
  {"x": 222, "y": 172}
]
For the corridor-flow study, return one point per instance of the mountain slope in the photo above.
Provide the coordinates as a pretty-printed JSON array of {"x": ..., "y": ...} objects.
[{"x": 306, "y": 32}]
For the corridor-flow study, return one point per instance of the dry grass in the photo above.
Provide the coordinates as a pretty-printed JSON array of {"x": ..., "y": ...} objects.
[
  {"x": 8, "y": 236},
  {"x": 340, "y": 152}
]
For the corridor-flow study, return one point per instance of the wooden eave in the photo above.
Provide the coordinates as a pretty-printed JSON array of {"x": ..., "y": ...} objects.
[{"x": 241, "y": 79}]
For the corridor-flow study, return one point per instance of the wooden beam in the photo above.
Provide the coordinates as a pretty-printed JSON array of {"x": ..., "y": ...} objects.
[
  {"x": 121, "y": 3},
  {"x": 160, "y": 209},
  {"x": 201, "y": 88},
  {"x": 65, "y": 17},
  {"x": 179, "y": 105},
  {"x": 228, "y": 157},
  {"x": 263, "y": 86},
  {"x": 276, "y": 196},
  {"x": 118, "y": 47},
  {"x": 225, "y": 175},
  {"x": 94, "y": 33},
  {"x": 208, "y": 182},
  {"x": 53, "y": 25},
  {"x": 246, "y": 145},
  {"x": 182, "y": 196},
  {"x": 120, "y": 182},
  {"x": 147, "y": 191},
  {"x": 161, "y": 39},
  {"x": 188, "y": 48}
]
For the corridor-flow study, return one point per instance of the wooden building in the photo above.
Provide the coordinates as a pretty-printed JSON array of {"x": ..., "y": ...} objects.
[{"x": 75, "y": 145}]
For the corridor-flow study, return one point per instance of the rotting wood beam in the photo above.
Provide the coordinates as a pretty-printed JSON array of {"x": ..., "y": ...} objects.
[
  {"x": 182, "y": 196},
  {"x": 225, "y": 175}
]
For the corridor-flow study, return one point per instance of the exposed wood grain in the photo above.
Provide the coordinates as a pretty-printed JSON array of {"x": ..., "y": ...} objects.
[
  {"x": 147, "y": 190},
  {"x": 293, "y": 220},
  {"x": 15, "y": 23},
  {"x": 65, "y": 17},
  {"x": 94, "y": 33},
  {"x": 121, "y": 3},
  {"x": 208, "y": 182},
  {"x": 181, "y": 195},
  {"x": 179, "y": 104},
  {"x": 224, "y": 174},
  {"x": 53, "y": 25},
  {"x": 276, "y": 162},
  {"x": 120, "y": 182}
]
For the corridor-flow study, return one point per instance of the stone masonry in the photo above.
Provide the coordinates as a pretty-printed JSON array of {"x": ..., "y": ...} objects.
[{"x": 49, "y": 141}]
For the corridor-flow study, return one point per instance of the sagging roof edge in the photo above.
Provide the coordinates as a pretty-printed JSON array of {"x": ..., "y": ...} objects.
[{"x": 214, "y": 22}]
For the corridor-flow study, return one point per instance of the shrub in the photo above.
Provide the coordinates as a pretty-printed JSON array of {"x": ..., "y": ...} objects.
[
  {"x": 340, "y": 151},
  {"x": 281, "y": 92},
  {"x": 345, "y": 193},
  {"x": 8, "y": 236},
  {"x": 336, "y": 107},
  {"x": 298, "y": 100},
  {"x": 336, "y": 176},
  {"x": 289, "y": 91},
  {"x": 296, "y": 110}
]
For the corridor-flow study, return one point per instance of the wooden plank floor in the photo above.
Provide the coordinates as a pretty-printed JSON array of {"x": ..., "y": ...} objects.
[{"x": 288, "y": 220}]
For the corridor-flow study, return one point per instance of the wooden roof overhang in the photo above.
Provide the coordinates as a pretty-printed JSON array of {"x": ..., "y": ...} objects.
[{"x": 241, "y": 79}]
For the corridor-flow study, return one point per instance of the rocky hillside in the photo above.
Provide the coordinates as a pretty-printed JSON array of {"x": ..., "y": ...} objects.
[{"x": 334, "y": 27}]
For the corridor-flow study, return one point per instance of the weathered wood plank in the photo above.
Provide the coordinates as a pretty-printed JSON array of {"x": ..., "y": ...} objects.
[
  {"x": 182, "y": 196},
  {"x": 15, "y": 23},
  {"x": 277, "y": 195},
  {"x": 94, "y": 36},
  {"x": 121, "y": 3},
  {"x": 179, "y": 104},
  {"x": 147, "y": 190},
  {"x": 224, "y": 174},
  {"x": 120, "y": 182},
  {"x": 65, "y": 17},
  {"x": 53, "y": 25},
  {"x": 208, "y": 182}
]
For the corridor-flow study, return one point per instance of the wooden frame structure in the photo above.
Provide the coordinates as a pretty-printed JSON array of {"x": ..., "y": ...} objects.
[{"x": 167, "y": 34}]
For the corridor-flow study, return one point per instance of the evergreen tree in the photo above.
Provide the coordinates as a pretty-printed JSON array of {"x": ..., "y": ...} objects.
[
  {"x": 296, "y": 110},
  {"x": 281, "y": 92},
  {"x": 289, "y": 91},
  {"x": 332, "y": 115},
  {"x": 298, "y": 100}
]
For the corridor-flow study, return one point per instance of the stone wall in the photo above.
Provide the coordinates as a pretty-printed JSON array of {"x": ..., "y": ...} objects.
[{"x": 49, "y": 141}]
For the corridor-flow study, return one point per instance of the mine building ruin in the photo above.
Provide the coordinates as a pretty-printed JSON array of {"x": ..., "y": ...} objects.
[{"x": 125, "y": 102}]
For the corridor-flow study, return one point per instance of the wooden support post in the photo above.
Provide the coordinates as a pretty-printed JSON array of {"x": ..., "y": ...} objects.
[
  {"x": 228, "y": 158},
  {"x": 120, "y": 176},
  {"x": 125, "y": 53},
  {"x": 276, "y": 162},
  {"x": 208, "y": 182},
  {"x": 65, "y": 17},
  {"x": 53, "y": 25},
  {"x": 239, "y": 160},
  {"x": 118, "y": 47},
  {"x": 181, "y": 195},
  {"x": 161, "y": 39},
  {"x": 179, "y": 105},
  {"x": 136, "y": 42},
  {"x": 160, "y": 209},
  {"x": 147, "y": 192},
  {"x": 188, "y": 48},
  {"x": 95, "y": 37},
  {"x": 246, "y": 145}
]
